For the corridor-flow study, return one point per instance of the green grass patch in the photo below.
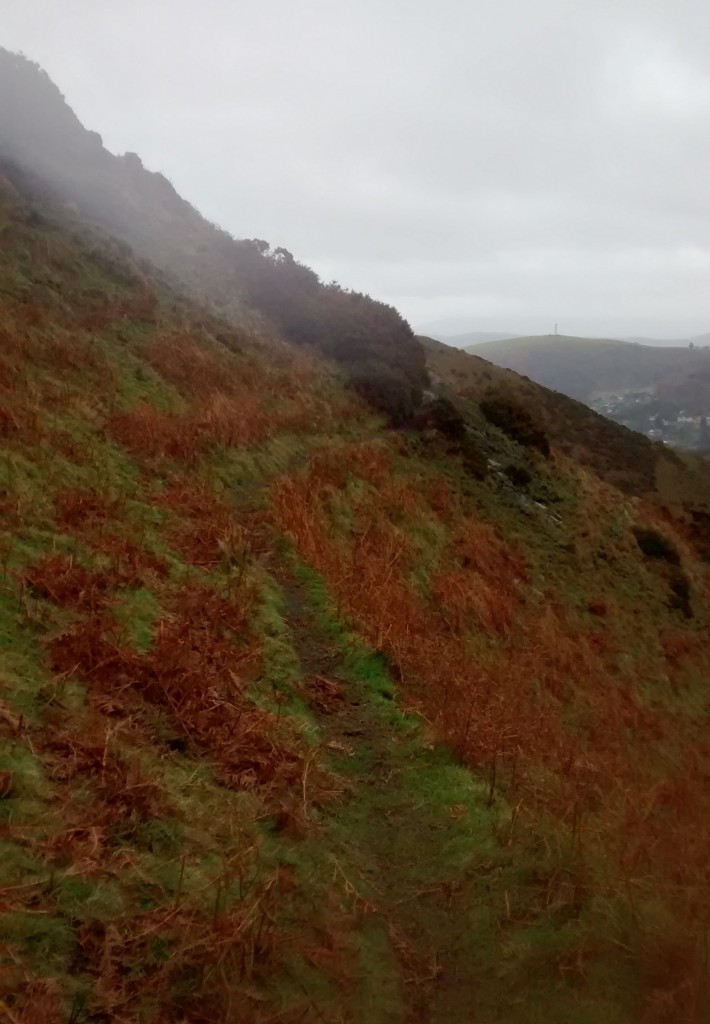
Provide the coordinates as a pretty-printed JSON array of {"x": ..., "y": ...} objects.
[{"x": 138, "y": 612}]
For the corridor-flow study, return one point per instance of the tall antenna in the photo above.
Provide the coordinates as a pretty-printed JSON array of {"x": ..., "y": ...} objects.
[{"x": 555, "y": 328}]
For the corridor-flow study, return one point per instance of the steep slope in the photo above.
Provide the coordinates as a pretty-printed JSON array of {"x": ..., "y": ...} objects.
[
  {"x": 39, "y": 131},
  {"x": 619, "y": 456},
  {"x": 661, "y": 392},
  {"x": 193, "y": 746},
  {"x": 304, "y": 718}
]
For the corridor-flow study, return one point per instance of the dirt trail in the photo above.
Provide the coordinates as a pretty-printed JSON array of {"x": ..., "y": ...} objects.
[{"x": 400, "y": 830}]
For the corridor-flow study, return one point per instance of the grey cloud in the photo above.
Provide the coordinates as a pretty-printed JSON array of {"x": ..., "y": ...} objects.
[{"x": 517, "y": 162}]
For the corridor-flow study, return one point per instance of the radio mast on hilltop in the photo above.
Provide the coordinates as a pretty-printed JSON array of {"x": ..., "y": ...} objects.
[{"x": 555, "y": 328}]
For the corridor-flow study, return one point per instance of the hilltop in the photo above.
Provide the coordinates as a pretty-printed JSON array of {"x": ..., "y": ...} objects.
[{"x": 323, "y": 697}]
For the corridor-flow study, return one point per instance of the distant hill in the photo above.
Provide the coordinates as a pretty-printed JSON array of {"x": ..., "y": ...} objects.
[
  {"x": 586, "y": 367},
  {"x": 662, "y": 391}
]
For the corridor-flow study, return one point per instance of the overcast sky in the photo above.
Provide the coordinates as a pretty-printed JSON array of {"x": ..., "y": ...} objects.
[{"x": 500, "y": 164}]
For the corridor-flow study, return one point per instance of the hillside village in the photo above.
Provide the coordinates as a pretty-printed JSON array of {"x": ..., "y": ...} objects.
[{"x": 661, "y": 421}]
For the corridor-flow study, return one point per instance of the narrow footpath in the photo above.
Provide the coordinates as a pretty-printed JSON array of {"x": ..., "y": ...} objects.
[{"x": 411, "y": 835}]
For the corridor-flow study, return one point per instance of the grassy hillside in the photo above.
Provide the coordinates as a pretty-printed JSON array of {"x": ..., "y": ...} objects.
[{"x": 305, "y": 718}]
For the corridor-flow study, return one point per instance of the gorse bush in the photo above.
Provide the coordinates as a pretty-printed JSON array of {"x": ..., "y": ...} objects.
[
  {"x": 514, "y": 419},
  {"x": 443, "y": 416},
  {"x": 519, "y": 476},
  {"x": 474, "y": 460},
  {"x": 369, "y": 339},
  {"x": 656, "y": 545},
  {"x": 660, "y": 550},
  {"x": 387, "y": 392}
]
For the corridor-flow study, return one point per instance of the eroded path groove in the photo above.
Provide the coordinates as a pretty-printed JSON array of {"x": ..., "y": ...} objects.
[{"x": 409, "y": 835}]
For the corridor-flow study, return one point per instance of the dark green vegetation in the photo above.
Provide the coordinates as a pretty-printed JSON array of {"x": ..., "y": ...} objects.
[
  {"x": 655, "y": 545},
  {"x": 306, "y": 718},
  {"x": 514, "y": 420}
]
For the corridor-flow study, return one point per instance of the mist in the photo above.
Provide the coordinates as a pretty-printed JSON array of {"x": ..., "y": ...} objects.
[{"x": 507, "y": 165}]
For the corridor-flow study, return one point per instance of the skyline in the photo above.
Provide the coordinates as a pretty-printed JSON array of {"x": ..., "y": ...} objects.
[{"x": 506, "y": 166}]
